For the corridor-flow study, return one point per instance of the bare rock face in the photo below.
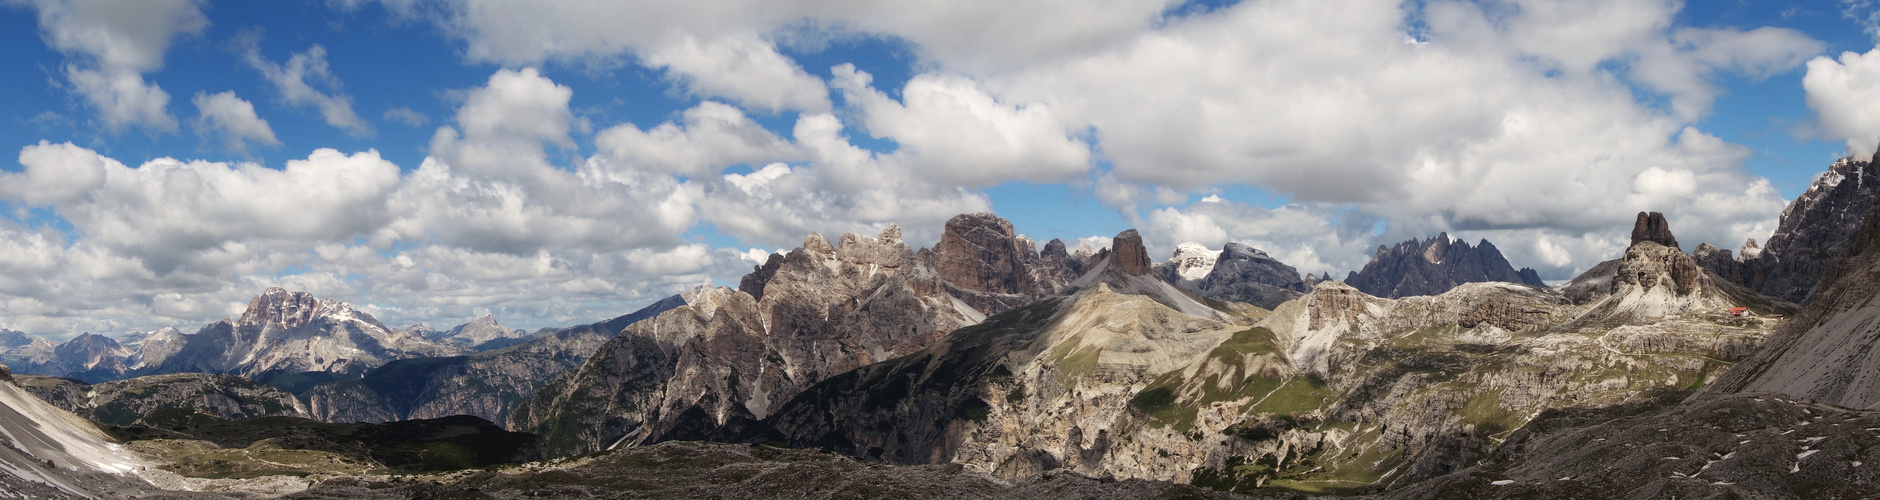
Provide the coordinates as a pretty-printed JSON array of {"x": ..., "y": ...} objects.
[
  {"x": 988, "y": 265},
  {"x": 1654, "y": 281},
  {"x": 1823, "y": 353},
  {"x": 1653, "y": 228},
  {"x": 1128, "y": 255},
  {"x": 1434, "y": 266},
  {"x": 1246, "y": 274},
  {"x": 284, "y": 333},
  {"x": 754, "y": 283},
  {"x": 732, "y": 359},
  {"x": 1059, "y": 267},
  {"x": 1815, "y": 231}
]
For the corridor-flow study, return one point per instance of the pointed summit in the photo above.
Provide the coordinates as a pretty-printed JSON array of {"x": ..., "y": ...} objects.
[{"x": 1651, "y": 226}]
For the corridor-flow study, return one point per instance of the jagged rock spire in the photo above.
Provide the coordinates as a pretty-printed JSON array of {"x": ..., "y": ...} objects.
[{"x": 1651, "y": 226}]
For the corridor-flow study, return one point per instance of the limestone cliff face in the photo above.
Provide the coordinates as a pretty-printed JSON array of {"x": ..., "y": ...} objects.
[
  {"x": 1814, "y": 231},
  {"x": 733, "y": 358},
  {"x": 1434, "y": 266},
  {"x": 125, "y": 402},
  {"x": 985, "y": 263}
]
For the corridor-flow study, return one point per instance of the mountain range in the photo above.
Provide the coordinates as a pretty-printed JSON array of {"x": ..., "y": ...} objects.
[{"x": 986, "y": 366}]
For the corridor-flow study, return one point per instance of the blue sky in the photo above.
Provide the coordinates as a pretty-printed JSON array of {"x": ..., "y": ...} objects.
[{"x": 1313, "y": 130}]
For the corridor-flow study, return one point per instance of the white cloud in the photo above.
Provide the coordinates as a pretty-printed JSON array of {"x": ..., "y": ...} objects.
[
  {"x": 951, "y": 131},
  {"x": 982, "y": 35},
  {"x": 295, "y": 80},
  {"x": 172, "y": 214},
  {"x": 491, "y": 188},
  {"x": 407, "y": 116},
  {"x": 233, "y": 119},
  {"x": 743, "y": 68},
  {"x": 711, "y": 136},
  {"x": 1845, "y": 95},
  {"x": 109, "y": 45}
]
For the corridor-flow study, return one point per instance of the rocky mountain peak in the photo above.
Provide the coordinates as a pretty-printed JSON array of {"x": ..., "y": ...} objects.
[
  {"x": 753, "y": 283},
  {"x": 1436, "y": 248},
  {"x": 1814, "y": 231},
  {"x": 1128, "y": 253},
  {"x": 279, "y": 307},
  {"x": 1433, "y": 266},
  {"x": 817, "y": 245},
  {"x": 1651, "y": 226},
  {"x": 1189, "y": 264},
  {"x": 1245, "y": 274},
  {"x": 981, "y": 253},
  {"x": 1750, "y": 249}
]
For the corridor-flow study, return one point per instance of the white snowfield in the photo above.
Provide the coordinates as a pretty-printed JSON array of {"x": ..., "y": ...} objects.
[{"x": 50, "y": 446}]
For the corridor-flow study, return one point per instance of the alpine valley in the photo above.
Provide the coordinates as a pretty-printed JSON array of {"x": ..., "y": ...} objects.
[{"x": 989, "y": 366}]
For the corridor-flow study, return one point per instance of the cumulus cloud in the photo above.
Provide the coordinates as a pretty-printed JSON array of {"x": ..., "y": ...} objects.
[
  {"x": 1845, "y": 94},
  {"x": 743, "y": 68},
  {"x": 489, "y": 185},
  {"x": 295, "y": 81},
  {"x": 981, "y": 35},
  {"x": 841, "y": 188},
  {"x": 951, "y": 131},
  {"x": 109, "y": 45},
  {"x": 233, "y": 119},
  {"x": 170, "y": 214},
  {"x": 709, "y": 137}
]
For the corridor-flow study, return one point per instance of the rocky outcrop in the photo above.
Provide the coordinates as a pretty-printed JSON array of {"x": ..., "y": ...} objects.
[
  {"x": 286, "y": 333},
  {"x": 1128, "y": 255},
  {"x": 1245, "y": 274},
  {"x": 753, "y": 283},
  {"x": 1823, "y": 353},
  {"x": 1815, "y": 231},
  {"x": 488, "y": 385},
  {"x": 125, "y": 402},
  {"x": 985, "y": 263},
  {"x": 1653, "y": 228},
  {"x": 1653, "y": 281},
  {"x": 1434, "y": 266},
  {"x": 1061, "y": 266},
  {"x": 731, "y": 358}
]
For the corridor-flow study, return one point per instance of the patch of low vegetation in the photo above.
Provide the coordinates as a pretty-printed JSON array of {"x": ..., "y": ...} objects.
[{"x": 201, "y": 445}]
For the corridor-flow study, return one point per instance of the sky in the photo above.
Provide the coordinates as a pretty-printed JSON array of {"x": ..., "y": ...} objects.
[{"x": 562, "y": 162}]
